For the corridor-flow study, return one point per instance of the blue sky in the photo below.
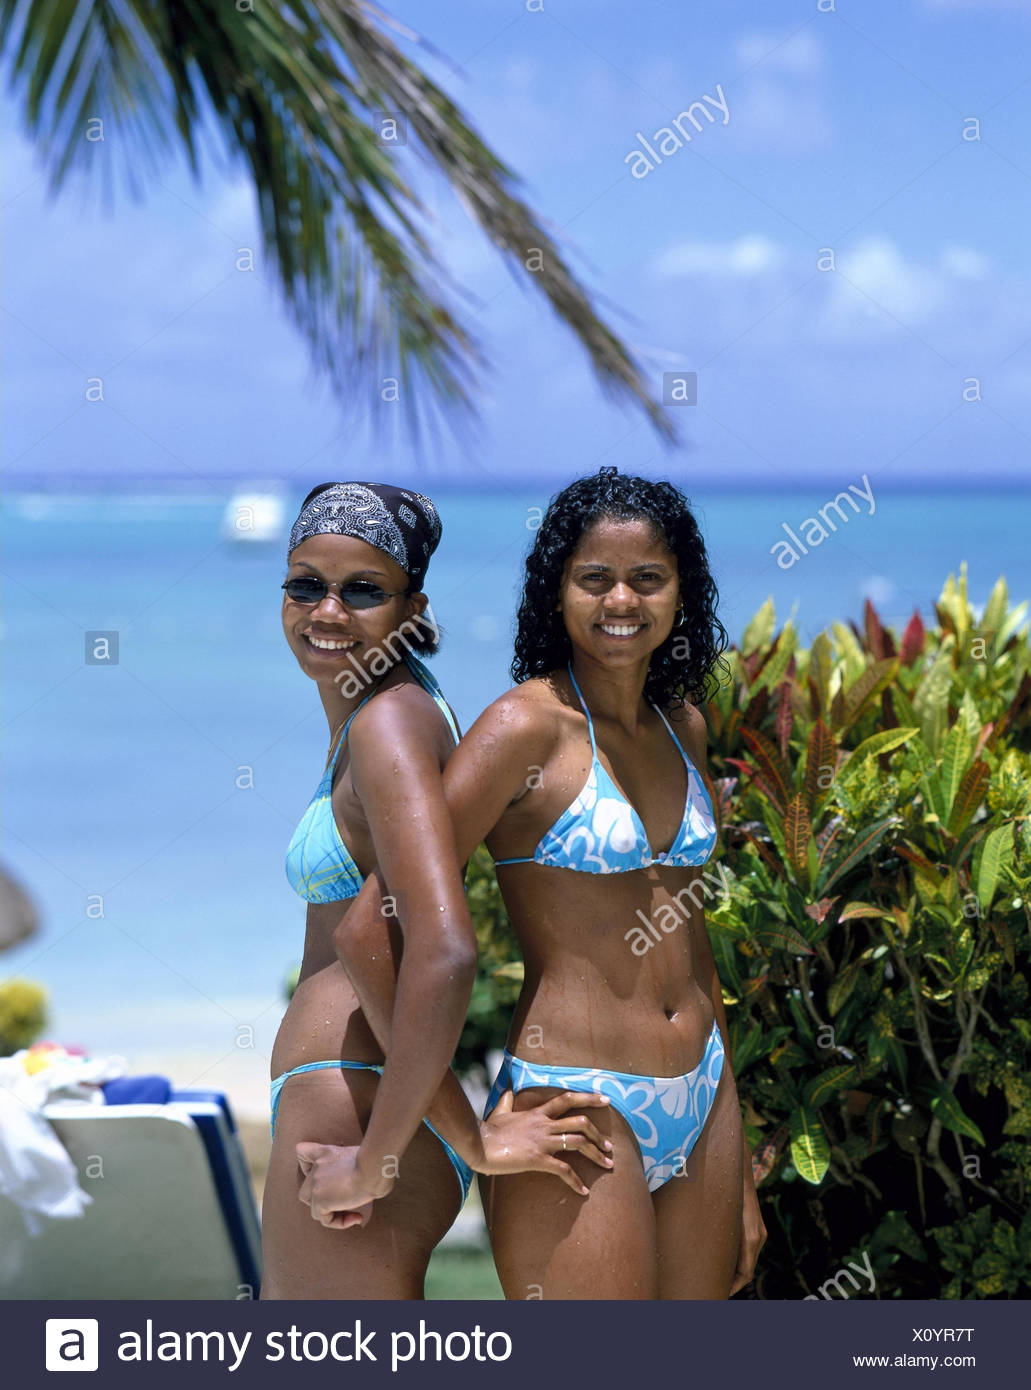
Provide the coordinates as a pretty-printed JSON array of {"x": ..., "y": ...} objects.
[{"x": 844, "y": 130}]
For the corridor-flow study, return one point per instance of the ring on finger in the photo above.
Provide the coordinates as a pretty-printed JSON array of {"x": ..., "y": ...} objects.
[{"x": 563, "y": 1141}]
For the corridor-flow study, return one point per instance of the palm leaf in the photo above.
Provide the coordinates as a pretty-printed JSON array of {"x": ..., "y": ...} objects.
[{"x": 294, "y": 87}]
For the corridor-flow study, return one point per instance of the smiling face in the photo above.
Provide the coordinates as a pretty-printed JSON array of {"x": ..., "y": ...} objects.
[
  {"x": 620, "y": 591},
  {"x": 328, "y": 638}
]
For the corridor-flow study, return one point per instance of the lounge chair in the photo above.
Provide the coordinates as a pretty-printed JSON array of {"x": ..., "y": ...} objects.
[{"x": 173, "y": 1214}]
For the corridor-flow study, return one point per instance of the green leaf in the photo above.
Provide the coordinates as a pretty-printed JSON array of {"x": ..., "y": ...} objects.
[
  {"x": 946, "y": 1108},
  {"x": 820, "y": 763},
  {"x": 820, "y": 658},
  {"x": 857, "y": 909},
  {"x": 1011, "y": 624},
  {"x": 874, "y": 746},
  {"x": 758, "y": 1042},
  {"x": 994, "y": 614},
  {"x": 842, "y": 986},
  {"x": 931, "y": 700},
  {"x": 853, "y": 658},
  {"x": 896, "y": 1231},
  {"x": 829, "y": 1083},
  {"x": 902, "y": 705},
  {"x": 747, "y": 1049},
  {"x": 997, "y": 850},
  {"x": 969, "y": 796},
  {"x": 726, "y": 957},
  {"x": 865, "y": 844},
  {"x": 872, "y": 681},
  {"x": 784, "y": 938},
  {"x": 777, "y": 662},
  {"x": 774, "y": 768},
  {"x": 798, "y": 832},
  {"x": 512, "y": 971},
  {"x": 956, "y": 755},
  {"x": 810, "y": 1151},
  {"x": 760, "y": 628}
]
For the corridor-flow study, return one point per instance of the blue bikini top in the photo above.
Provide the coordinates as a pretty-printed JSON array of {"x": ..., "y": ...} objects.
[
  {"x": 601, "y": 833},
  {"x": 318, "y": 863}
]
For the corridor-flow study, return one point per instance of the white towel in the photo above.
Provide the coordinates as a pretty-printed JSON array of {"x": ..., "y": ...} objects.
[{"x": 36, "y": 1172}]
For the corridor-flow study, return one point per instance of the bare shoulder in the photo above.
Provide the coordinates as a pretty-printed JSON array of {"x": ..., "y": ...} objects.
[
  {"x": 691, "y": 729},
  {"x": 523, "y": 721},
  {"x": 402, "y": 715}
]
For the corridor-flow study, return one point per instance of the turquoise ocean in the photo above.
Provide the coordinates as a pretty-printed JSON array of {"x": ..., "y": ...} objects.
[{"x": 148, "y": 802}]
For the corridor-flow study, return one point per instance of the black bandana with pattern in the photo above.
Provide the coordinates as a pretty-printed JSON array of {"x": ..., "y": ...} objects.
[{"x": 402, "y": 523}]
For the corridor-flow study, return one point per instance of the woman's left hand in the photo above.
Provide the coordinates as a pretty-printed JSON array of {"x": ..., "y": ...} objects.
[
  {"x": 753, "y": 1235},
  {"x": 339, "y": 1193}
]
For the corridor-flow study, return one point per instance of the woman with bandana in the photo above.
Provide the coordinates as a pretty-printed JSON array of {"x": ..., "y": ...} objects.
[
  {"x": 357, "y": 620},
  {"x": 600, "y": 862}
]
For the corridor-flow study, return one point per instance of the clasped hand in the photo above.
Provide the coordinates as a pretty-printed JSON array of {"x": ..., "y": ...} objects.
[{"x": 341, "y": 1193}]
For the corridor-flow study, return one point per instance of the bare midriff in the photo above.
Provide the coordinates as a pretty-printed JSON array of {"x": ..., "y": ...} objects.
[
  {"x": 323, "y": 1018},
  {"x": 589, "y": 998}
]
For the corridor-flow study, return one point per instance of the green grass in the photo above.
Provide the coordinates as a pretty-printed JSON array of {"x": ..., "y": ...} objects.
[{"x": 462, "y": 1272}]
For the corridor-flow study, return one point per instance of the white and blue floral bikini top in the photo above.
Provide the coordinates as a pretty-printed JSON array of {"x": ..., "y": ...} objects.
[
  {"x": 601, "y": 833},
  {"x": 318, "y": 863}
]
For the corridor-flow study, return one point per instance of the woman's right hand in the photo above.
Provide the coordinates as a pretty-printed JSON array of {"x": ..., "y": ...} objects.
[{"x": 519, "y": 1141}]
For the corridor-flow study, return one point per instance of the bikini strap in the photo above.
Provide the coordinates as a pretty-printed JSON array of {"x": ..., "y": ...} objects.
[
  {"x": 429, "y": 683},
  {"x": 583, "y": 706},
  {"x": 343, "y": 733},
  {"x": 672, "y": 734}
]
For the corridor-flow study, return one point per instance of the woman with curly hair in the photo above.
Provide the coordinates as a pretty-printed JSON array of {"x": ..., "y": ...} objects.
[
  {"x": 586, "y": 782},
  {"x": 355, "y": 618}
]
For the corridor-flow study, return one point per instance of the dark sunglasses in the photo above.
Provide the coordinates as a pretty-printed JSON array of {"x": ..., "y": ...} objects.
[{"x": 356, "y": 593}]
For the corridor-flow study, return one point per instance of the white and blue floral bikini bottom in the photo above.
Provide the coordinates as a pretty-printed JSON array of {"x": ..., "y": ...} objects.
[{"x": 665, "y": 1113}]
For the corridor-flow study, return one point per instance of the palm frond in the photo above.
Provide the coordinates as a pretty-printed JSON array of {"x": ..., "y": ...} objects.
[{"x": 293, "y": 87}]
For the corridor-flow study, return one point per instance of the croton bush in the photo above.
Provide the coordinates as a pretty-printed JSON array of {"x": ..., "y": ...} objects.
[{"x": 872, "y": 940}]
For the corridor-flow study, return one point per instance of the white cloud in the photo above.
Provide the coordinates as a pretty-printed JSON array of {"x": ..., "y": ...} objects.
[
  {"x": 878, "y": 269},
  {"x": 798, "y": 53},
  {"x": 776, "y": 100},
  {"x": 963, "y": 263},
  {"x": 877, "y": 288},
  {"x": 748, "y": 255}
]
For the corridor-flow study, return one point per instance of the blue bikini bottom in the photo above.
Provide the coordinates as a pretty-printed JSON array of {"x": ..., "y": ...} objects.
[
  {"x": 465, "y": 1173},
  {"x": 666, "y": 1113}
]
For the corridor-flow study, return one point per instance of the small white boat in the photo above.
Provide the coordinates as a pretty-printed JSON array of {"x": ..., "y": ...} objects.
[{"x": 254, "y": 515}]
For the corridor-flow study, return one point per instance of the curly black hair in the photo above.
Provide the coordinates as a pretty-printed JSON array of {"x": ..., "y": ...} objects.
[
  {"x": 542, "y": 644},
  {"x": 425, "y": 641}
]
